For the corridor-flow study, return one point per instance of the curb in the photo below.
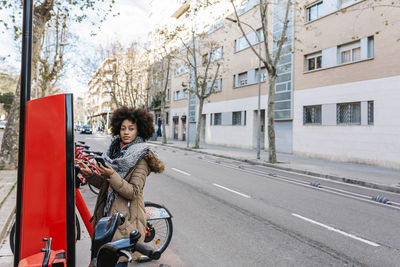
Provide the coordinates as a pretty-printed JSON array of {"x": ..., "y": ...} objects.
[
  {"x": 326, "y": 176},
  {"x": 7, "y": 225}
]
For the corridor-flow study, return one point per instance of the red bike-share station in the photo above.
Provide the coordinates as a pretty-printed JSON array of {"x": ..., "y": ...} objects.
[{"x": 45, "y": 219}]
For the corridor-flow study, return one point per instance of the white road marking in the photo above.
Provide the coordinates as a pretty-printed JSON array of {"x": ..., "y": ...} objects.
[
  {"x": 188, "y": 174},
  {"x": 337, "y": 230},
  {"x": 328, "y": 189},
  {"x": 233, "y": 191}
]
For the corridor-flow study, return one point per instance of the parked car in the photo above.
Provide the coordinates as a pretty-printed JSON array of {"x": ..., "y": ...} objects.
[
  {"x": 78, "y": 128},
  {"x": 86, "y": 129},
  {"x": 3, "y": 124}
]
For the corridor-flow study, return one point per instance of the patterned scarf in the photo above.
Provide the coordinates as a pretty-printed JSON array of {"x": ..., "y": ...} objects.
[{"x": 122, "y": 159}]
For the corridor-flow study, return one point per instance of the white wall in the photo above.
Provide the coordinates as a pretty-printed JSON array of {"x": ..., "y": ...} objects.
[
  {"x": 233, "y": 135},
  {"x": 377, "y": 144}
]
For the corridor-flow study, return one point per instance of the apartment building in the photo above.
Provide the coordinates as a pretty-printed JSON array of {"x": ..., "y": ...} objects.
[
  {"x": 347, "y": 81},
  {"x": 336, "y": 91},
  {"x": 121, "y": 80},
  {"x": 98, "y": 98},
  {"x": 233, "y": 108}
]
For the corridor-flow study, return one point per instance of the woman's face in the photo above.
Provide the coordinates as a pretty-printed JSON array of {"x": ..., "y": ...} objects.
[{"x": 128, "y": 131}]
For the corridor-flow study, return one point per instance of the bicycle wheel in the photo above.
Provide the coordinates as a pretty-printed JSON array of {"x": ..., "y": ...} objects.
[
  {"x": 93, "y": 189},
  {"x": 158, "y": 232}
]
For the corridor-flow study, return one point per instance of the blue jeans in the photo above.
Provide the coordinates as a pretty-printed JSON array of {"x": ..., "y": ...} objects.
[{"x": 122, "y": 264}]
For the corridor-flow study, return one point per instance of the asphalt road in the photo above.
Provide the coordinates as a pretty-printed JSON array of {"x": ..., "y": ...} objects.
[{"x": 228, "y": 213}]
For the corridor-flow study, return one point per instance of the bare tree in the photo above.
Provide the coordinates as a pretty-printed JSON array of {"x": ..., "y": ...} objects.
[
  {"x": 269, "y": 59},
  {"x": 43, "y": 12},
  {"x": 123, "y": 74},
  {"x": 205, "y": 73},
  {"x": 160, "y": 69},
  {"x": 50, "y": 60}
]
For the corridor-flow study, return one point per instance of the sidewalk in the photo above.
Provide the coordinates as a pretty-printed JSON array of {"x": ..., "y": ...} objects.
[
  {"x": 8, "y": 192},
  {"x": 365, "y": 175}
]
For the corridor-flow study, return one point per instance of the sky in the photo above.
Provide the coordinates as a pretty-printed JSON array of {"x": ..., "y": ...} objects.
[{"x": 135, "y": 21}]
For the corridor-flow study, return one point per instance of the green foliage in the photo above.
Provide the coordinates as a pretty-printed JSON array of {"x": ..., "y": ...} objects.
[
  {"x": 7, "y": 99},
  {"x": 74, "y": 10},
  {"x": 156, "y": 102}
]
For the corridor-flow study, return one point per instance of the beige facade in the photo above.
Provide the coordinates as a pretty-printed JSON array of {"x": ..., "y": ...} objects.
[
  {"x": 345, "y": 105},
  {"x": 341, "y": 84},
  {"x": 120, "y": 80},
  {"x": 346, "y": 26}
]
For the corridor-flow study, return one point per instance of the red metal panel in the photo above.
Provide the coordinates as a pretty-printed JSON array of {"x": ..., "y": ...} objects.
[{"x": 43, "y": 212}]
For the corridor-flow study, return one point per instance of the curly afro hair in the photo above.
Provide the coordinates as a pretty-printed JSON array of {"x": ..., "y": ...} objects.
[{"x": 142, "y": 118}]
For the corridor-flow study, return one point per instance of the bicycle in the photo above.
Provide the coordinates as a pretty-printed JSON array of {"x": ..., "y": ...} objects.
[
  {"x": 107, "y": 253},
  {"x": 104, "y": 252},
  {"x": 159, "y": 226},
  {"x": 87, "y": 156}
]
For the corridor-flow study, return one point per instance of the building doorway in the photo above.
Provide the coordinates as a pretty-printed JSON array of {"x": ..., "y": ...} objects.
[
  {"x": 176, "y": 127},
  {"x": 183, "y": 118}
]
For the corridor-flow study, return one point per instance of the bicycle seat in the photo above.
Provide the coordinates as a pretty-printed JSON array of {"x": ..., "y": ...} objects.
[{"x": 105, "y": 230}]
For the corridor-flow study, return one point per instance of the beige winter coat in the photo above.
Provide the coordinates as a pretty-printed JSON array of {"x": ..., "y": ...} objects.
[{"x": 130, "y": 196}]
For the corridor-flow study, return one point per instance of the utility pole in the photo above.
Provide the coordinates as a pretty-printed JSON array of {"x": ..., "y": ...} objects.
[{"x": 259, "y": 87}]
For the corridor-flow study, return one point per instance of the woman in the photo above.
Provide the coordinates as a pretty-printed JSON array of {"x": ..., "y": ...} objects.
[{"x": 129, "y": 161}]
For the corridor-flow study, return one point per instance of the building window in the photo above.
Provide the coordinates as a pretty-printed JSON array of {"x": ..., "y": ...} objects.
[
  {"x": 350, "y": 52},
  {"x": 242, "y": 79},
  {"x": 371, "y": 47},
  {"x": 167, "y": 96},
  {"x": 370, "y": 112},
  {"x": 216, "y": 54},
  {"x": 181, "y": 69},
  {"x": 217, "y": 86},
  {"x": 237, "y": 118},
  {"x": 312, "y": 114},
  {"x": 247, "y": 6},
  {"x": 314, "y": 62},
  {"x": 215, "y": 26},
  {"x": 241, "y": 43},
  {"x": 167, "y": 118},
  {"x": 180, "y": 94},
  {"x": 213, "y": 56},
  {"x": 263, "y": 73},
  {"x": 348, "y": 113},
  {"x": 314, "y": 11},
  {"x": 217, "y": 118}
]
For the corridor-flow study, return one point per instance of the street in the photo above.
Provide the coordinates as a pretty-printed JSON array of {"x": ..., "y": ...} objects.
[{"x": 229, "y": 213}]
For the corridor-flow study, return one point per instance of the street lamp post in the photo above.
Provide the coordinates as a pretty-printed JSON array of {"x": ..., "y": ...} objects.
[{"x": 259, "y": 87}]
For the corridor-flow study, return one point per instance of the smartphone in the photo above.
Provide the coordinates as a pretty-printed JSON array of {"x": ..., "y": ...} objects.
[{"x": 100, "y": 160}]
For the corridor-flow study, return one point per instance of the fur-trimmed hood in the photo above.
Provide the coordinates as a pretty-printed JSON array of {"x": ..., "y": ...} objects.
[{"x": 154, "y": 162}]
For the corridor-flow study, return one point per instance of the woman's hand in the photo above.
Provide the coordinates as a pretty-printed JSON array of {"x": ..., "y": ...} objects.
[
  {"x": 106, "y": 170},
  {"x": 83, "y": 168}
]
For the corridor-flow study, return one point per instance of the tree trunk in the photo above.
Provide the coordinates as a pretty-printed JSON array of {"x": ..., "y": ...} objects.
[
  {"x": 9, "y": 144},
  {"x": 163, "y": 121},
  {"x": 271, "y": 121},
  {"x": 199, "y": 124}
]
